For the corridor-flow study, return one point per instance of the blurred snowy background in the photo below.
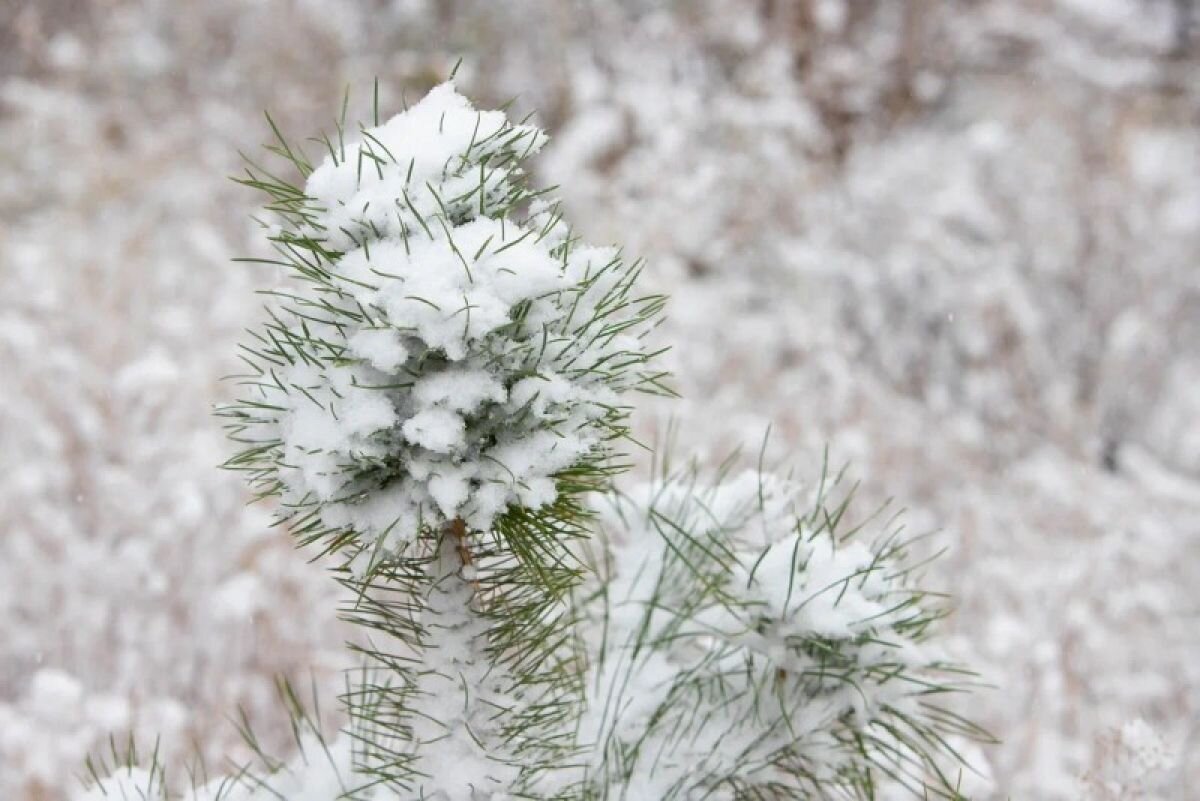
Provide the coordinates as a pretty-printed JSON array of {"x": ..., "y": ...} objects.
[{"x": 955, "y": 241}]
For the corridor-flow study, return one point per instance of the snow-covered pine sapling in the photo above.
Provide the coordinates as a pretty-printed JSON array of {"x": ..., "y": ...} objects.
[
  {"x": 437, "y": 391},
  {"x": 431, "y": 397}
]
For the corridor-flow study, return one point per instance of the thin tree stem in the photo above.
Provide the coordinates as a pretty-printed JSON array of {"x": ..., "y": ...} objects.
[{"x": 457, "y": 528}]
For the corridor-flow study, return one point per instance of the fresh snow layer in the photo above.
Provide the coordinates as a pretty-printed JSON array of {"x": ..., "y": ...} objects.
[
  {"x": 465, "y": 351},
  {"x": 700, "y": 627}
]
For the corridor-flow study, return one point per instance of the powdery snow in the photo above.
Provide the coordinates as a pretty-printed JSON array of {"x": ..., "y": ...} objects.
[
  {"x": 459, "y": 353},
  {"x": 710, "y": 595}
]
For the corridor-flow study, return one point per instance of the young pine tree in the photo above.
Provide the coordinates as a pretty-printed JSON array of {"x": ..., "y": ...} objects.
[{"x": 439, "y": 399}]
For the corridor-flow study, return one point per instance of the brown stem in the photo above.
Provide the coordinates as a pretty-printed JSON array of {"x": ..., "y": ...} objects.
[{"x": 458, "y": 529}]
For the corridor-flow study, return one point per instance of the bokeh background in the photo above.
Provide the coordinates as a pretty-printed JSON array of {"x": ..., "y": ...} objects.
[{"x": 956, "y": 242}]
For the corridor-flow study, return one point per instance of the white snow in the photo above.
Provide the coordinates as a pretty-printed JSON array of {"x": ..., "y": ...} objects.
[
  {"x": 778, "y": 185},
  {"x": 380, "y": 347},
  {"x": 486, "y": 353},
  {"x": 665, "y": 664},
  {"x": 437, "y": 430},
  {"x": 459, "y": 390},
  {"x": 424, "y": 145}
]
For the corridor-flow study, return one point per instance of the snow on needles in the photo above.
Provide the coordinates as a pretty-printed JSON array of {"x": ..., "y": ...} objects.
[
  {"x": 452, "y": 348},
  {"x": 738, "y": 643},
  {"x": 748, "y": 646},
  {"x": 318, "y": 773}
]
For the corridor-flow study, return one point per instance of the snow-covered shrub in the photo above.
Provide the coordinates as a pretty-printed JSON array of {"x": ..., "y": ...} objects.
[
  {"x": 743, "y": 643},
  {"x": 437, "y": 399}
]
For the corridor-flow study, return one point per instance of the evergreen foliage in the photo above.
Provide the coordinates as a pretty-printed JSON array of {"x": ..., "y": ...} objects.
[{"x": 438, "y": 398}]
